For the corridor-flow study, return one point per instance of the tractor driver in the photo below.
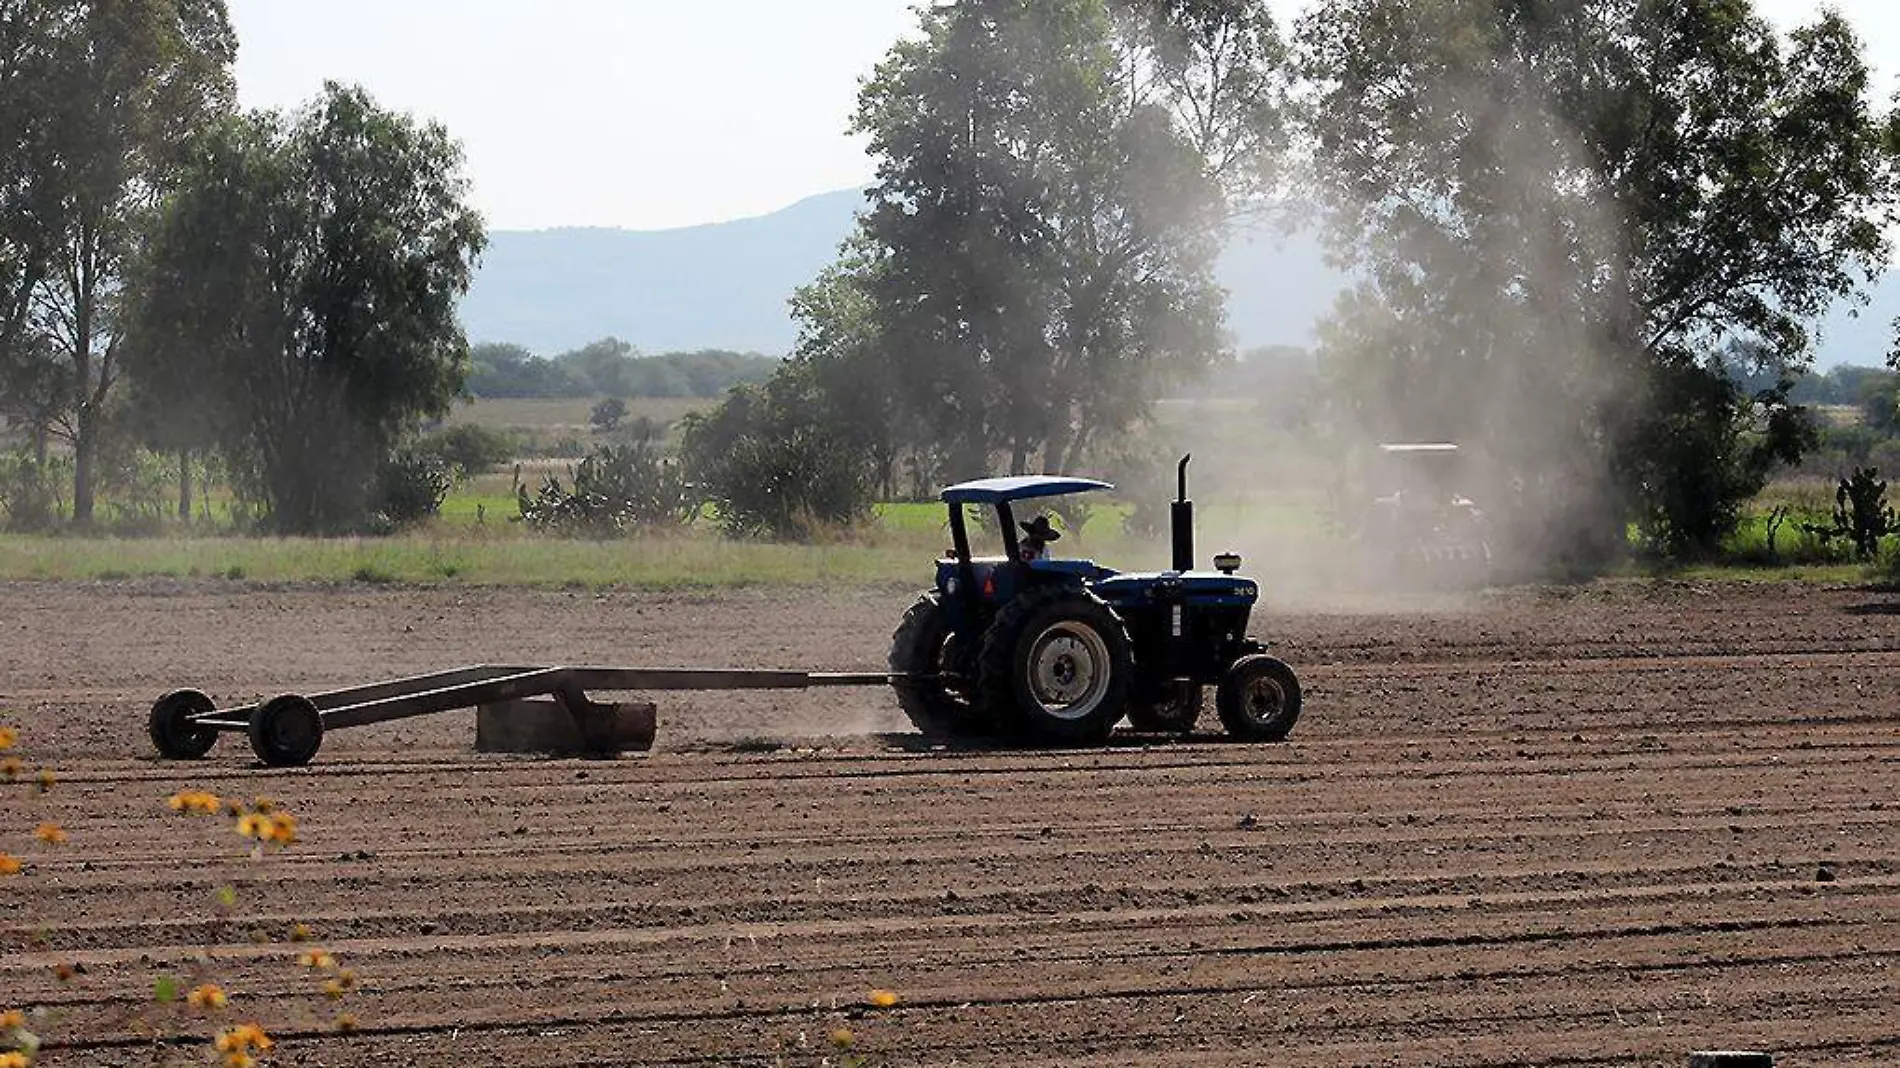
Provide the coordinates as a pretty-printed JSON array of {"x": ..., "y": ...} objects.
[{"x": 1037, "y": 536}]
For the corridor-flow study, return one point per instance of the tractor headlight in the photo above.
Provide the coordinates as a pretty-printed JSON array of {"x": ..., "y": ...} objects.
[{"x": 1227, "y": 563}]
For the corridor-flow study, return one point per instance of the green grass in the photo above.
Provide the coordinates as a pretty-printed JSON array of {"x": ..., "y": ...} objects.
[{"x": 674, "y": 562}]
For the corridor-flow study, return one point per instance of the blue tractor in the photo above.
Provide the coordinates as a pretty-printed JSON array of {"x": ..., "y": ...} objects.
[{"x": 1057, "y": 652}]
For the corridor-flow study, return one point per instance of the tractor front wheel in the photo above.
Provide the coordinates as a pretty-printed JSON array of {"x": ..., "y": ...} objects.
[
  {"x": 929, "y": 689},
  {"x": 1055, "y": 667},
  {"x": 1259, "y": 699}
]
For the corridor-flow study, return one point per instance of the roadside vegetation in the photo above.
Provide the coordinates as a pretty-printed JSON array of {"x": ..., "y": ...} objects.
[{"x": 228, "y": 342}]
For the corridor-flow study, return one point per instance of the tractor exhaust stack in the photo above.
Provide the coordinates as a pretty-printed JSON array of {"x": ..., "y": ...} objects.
[{"x": 1182, "y": 514}]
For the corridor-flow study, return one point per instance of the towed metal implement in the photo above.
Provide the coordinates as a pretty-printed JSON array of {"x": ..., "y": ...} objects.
[{"x": 287, "y": 730}]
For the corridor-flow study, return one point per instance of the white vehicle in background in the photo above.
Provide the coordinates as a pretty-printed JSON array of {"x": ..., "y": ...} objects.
[{"x": 1416, "y": 517}]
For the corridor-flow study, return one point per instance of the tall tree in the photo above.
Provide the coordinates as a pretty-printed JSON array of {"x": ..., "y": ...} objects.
[
  {"x": 1038, "y": 252},
  {"x": 311, "y": 269},
  {"x": 110, "y": 90},
  {"x": 1557, "y": 210}
]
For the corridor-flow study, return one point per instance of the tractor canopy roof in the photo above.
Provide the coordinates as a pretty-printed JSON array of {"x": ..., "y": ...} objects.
[{"x": 1018, "y": 488}]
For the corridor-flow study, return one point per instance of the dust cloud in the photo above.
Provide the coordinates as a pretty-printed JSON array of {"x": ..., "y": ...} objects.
[{"x": 1492, "y": 314}]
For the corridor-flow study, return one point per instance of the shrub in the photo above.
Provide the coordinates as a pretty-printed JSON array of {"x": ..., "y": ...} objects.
[
  {"x": 468, "y": 450},
  {"x": 1704, "y": 450},
  {"x": 410, "y": 486},
  {"x": 607, "y": 414},
  {"x": 777, "y": 461},
  {"x": 1861, "y": 512},
  {"x": 27, "y": 492},
  {"x": 616, "y": 488}
]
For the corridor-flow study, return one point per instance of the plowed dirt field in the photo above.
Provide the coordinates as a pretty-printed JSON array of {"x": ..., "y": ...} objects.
[{"x": 1602, "y": 827}]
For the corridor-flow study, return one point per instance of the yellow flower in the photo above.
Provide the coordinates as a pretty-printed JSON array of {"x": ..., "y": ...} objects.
[
  {"x": 46, "y": 779},
  {"x": 8, "y": 737},
  {"x": 50, "y": 833},
  {"x": 207, "y": 996},
  {"x": 316, "y": 958},
  {"x": 195, "y": 802},
  {"x": 883, "y": 999},
  {"x": 238, "y": 1059},
  {"x": 843, "y": 1038},
  {"x": 251, "y": 826},
  {"x": 332, "y": 989},
  {"x": 10, "y": 768},
  {"x": 12, "y": 1020},
  {"x": 300, "y": 933},
  {"x": 242, "y": 1039},
  {"x": 263, "y": 805},
  {"x": 281, "y": 828},
  {"x": 14, "y": 1059},
  {"x": 9, "y": 864},
  {"x": 346, "y": 1021}
]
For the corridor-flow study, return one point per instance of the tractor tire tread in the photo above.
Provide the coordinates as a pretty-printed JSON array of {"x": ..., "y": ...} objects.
[{"x": 996, "y": 695}]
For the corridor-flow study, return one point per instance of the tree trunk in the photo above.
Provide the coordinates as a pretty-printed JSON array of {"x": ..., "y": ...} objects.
[
  {"x": 184, "y": 485},
  {"x": 85, "y": 445}
]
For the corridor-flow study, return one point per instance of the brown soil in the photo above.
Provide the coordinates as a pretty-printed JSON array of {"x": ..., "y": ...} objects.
[{"x": 1608, "y": 827}]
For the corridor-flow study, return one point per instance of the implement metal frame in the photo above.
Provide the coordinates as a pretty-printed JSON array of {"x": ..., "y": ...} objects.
[{"x": 494, "y": 684}]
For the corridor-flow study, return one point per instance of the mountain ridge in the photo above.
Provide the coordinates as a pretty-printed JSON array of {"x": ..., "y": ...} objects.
[{"x": 726, "y": 285}]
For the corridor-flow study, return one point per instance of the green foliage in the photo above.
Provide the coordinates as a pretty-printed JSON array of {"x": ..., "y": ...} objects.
[
  {"x": 1707, "y": 452},
  {"x": 27, "y": 492},
  {"x": 611, "y": 367},
  {"x": 1879, "y": 402},
  {"x": 617, "y": 488},
  {"x": 499, "y": 370},
  {"x": 1861, "y": 512},
  {"x": 607, "y": 414},
  {"x": 97, "y": 98},
  {"x": 411, "y": 483},
  {"x": 1037, "y": 256},
  {"x": 1552, "y": 207},
  {"x": 469, "y": 449},
  {"x": 776, "y": 461},
  {"x": 307, "y": 275}
]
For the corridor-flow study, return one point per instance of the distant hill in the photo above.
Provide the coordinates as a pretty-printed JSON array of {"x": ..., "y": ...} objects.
[{"x": 725, "y": 286}]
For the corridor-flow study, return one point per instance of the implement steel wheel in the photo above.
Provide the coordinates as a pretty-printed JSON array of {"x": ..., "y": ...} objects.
[
  {"x": 173, "y": 734},
  {"x": 286, "y": 731}
]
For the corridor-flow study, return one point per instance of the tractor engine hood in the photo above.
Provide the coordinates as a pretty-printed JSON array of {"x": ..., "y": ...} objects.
[{"x": 1159, "y": 587}]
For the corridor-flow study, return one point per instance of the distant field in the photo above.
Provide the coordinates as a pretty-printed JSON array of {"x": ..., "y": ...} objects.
[
  {"x": 545, "y": 420},
  {"x": 694, "y": 560}
]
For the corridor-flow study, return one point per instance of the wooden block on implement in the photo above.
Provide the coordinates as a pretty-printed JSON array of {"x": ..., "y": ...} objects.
[{"x": 541, "y": 725}]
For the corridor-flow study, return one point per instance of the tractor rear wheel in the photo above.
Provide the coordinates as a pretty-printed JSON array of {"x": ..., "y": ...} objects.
[
  {"x": 1259, "y": 699},
  {"x": 936, "y": 702},
  {"x": 1055, "y": 667},
  {"x": 1175, "y": 711}
]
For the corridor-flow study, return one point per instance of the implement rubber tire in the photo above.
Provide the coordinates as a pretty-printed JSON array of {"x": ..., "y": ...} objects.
[
  {"x": 286, "y": 731},
  {"x": 1046, "y": 641},
  {"x": 173, "y": 734},
  {"x": 1176, "y": 713},
  {"x": 921, "y": 646},
  {"x": 1258, "y": 699}
]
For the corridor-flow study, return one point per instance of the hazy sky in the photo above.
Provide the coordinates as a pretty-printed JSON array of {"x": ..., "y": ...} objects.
[{"x": 644, "y": 113}]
